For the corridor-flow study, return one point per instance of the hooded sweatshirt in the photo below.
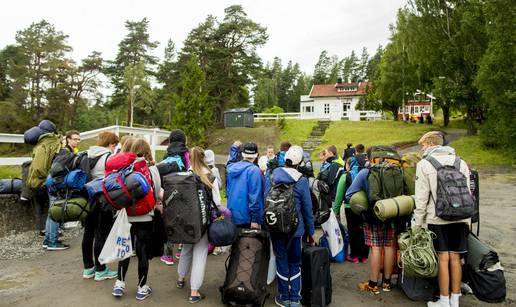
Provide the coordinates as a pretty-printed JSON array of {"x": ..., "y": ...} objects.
[
  {"x": 102, "y": 153},
  {"x": 179, "y": 149},
  {"x": 245, "y": 192},
  {"x": 426, "y": 185},
  {"x": 302, "y": 198}
]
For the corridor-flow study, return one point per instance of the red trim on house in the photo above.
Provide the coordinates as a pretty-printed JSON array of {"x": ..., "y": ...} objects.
[{"x": 332, "y": 90}]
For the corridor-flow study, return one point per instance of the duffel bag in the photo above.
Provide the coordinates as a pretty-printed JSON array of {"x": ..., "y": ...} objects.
[
  {"x": 222, "y": 232},
  {"x": 69, "y": 210}
]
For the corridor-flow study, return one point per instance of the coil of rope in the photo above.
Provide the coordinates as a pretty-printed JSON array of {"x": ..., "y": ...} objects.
[{"x": 418, "y": 257}]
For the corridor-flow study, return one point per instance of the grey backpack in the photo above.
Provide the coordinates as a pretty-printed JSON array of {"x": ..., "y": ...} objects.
[{"x": 453, "y": 200}]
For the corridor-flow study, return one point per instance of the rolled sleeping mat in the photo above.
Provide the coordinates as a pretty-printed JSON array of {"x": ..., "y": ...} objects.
[
  {"x": 359, "y": 202},
  {"x": 47, "y": 126},
  {"x": 32, "y": 135},
  {"x": 10, "y": 186},
  {"x": 394, "y": 207},
  {"x": 75, "y": 209}
]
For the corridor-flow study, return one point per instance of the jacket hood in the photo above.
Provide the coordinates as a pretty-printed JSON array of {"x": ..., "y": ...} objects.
[
  {"x": 439, "y": 151},
  {"x": 233, "y": 153},
  {"x": 285, "y": 175},
  {"x": 235, "y": 169},
  {"x": 47, "y": 135},
  {"x": 176, "y": 148},
  {"x": 95, "y": 151}
]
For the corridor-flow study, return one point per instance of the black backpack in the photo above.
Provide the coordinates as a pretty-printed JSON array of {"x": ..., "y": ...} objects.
[
  {"x": 280, "y": 209},
  {"x": 321, "y": 200},
  {"x": 453, "y": 200}
]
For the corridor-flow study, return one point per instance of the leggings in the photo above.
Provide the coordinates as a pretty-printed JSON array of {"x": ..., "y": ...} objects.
[
  {"x": 141, "y": 232},
  {"x": 356, "y": 235},
  {"x": 194, "y": 255},
  {"x": 96, "y": 230}
]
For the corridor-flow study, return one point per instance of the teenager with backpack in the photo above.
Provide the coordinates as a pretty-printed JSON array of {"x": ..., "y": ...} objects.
[
  {"x": 141, "y": 225},
  {"x": 334, "y": 169},
  {"x": 194, "y": 256},
  {"x": 245, "y": 191},
  {"x": 287, "y": 247},
  {"x": 47, "y": 146},
  {"x": 99, "y": 222},
  {"x": 433, "y": 196},
  {"x": 357, "y": 162},
  {"x": 383, "y": 180},
  {"x": 348, "y": 152},
  {"x": 72, "y": 140}
]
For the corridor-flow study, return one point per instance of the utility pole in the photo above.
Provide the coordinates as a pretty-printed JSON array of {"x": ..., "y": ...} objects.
[{"x": 403, "y": 81}]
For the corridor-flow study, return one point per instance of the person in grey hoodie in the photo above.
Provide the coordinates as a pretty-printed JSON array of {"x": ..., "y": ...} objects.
[{"x": 99, "y": 222}]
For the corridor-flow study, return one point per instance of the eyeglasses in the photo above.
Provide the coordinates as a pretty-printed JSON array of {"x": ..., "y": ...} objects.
[{"x": 76, "y": 139}]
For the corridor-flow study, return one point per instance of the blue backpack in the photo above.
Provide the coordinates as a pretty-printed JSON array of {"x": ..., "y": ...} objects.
[
  {"x": 356, "y": 164},
  {"x": 175, "y": 159}
]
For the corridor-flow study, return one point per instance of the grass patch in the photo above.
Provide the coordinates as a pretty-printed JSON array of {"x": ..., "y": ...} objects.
[
  {"x": 369, "y": 133},
  {"x": 296, "y": 131},
  {"x": 471, "y": 150},
  {"x": 10, "y": 171}
]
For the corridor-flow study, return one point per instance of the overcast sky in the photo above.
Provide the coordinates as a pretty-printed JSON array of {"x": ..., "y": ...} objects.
[{"x": 298, "y": 30}]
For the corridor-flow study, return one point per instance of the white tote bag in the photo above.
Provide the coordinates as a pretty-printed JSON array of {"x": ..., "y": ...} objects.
[
  {"x": 271, "y": 274},
  {"x": 332, "y": 232},
  {"x": 118, "y": 244}
]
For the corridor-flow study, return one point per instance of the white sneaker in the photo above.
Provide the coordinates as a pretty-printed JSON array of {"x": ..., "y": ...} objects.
[
  {"x": 69, "y": 225},
  {"x": 439, "y": 303}
]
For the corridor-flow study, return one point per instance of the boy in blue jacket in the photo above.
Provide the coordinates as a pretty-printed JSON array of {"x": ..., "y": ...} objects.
[
  {"x": 245, "y": 189},
  {"x": 288, "y": 248}
]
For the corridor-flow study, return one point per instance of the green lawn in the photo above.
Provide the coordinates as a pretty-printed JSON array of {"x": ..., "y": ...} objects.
[
  {"x": 369, "y": 133},
  {"x": 10, "y": 171},
  {"x": 296, "y": 131},
  {"x": 471, "y": 150}
]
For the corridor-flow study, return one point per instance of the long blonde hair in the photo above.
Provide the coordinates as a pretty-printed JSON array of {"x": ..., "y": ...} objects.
[
  {"x": 199, "y": 166},
  {"x": 127, "y": 142},
  {"x": 141, "y": 148}
]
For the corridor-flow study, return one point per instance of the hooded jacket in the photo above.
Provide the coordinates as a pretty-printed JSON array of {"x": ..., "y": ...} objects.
[
  {"x": 49, "y": 144},
  {"x": 245, "y": 192},
  {"x": 426, "y": 185},
  {"x": 332, "y": 173},
  {"x": 234, "y": 154},
  {"x": 102, "y": 153},
  {"x": 302, "y": 198},
  {"x": 179, "y": 149}
]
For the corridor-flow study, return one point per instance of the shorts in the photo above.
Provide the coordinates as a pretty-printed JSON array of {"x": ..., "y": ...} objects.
[
  {"x": 450, "y": 237},
  {"x": 379, "y": 235}
]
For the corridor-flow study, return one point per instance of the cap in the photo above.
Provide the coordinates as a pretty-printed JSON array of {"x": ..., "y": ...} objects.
[
  {"x": 250, "y": 150},
  {"x": 294, "y": 154},
  {"x": 209, "y": 157}
]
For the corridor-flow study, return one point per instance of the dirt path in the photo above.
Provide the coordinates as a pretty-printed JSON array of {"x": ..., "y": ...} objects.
[{"x": 54, "y": 278}]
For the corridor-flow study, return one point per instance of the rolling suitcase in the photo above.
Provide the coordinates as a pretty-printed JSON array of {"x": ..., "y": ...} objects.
[
  {"x": 246, "y": 270},
  {"x": 315, "y": 277}
]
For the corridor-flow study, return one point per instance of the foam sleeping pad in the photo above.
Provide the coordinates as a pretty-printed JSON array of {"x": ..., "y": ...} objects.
[{"x": 394, "y": 207}]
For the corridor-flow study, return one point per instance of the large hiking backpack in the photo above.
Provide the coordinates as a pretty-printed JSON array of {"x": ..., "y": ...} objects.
[
  {"x": 186, "y": 207},
  {"x": 68, "y": 210},
  {"x": 484, "y": 272},
  {"x": 128, "y": 184},
  {"x": 280, "y": 209},
  {"x": 321, "y": 200},
  {"x": 246, "y": 269},
  {"x": 453, "y": 200},
  {"x": 316, "y": 288},
  {"x": 356, "y": 164},
  {"x": 384, "y": 153},
  {"x": 68, "y": 172}
]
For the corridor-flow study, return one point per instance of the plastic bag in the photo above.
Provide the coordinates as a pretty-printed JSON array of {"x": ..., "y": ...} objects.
[
  {"x": 271, "y": 274},
  {"x": 331, "y": 230},
  {"x": 118, "y": 244}
]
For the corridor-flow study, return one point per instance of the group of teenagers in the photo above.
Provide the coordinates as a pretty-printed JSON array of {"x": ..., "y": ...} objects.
[{"x": 248, "y": 178}]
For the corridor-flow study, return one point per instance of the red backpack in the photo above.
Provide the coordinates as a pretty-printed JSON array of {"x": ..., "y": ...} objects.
[{"x": 122, "y": 160}]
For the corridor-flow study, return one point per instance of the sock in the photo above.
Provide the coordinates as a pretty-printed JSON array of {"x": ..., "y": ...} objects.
[
  {"x": 386, "y": 280},
  {"x": 373, "y": 284},
  {"x": 444, "y": 300},
  {"x": 454, "y": 299}
]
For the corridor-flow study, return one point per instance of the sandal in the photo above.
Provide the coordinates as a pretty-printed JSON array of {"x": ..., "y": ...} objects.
[
  {"x": 180, "y": 284},
  {"x": 195, "y": 299}
]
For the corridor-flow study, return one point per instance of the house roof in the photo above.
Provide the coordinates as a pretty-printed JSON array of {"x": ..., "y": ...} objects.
[
  {"x": 331, "y": 90},
  {"x": 418, "y": 103}
]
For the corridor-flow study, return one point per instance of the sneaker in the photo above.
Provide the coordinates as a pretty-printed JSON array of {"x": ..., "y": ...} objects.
[
  {"x": 352, "y": 259},
  {"x": 168, "y": 260},
  {"x": 387, "y": 287},
  {"x": 106, "y": 274},
  {"x": 143, "y": 292},
  {"x": 69, "y": 225},
  {"x": 364, "y": 286},
  {"x": 178, "y": 255},
  {"x": 363, "y": 260},
  {"x": 197, "y": 298},
  {"x": 180, "y": 284},
  {"x": 294, "y": 304},
  {"x": 88, "y": 273},
  {"x": 45, "y": 243},
  {"x": 280, "y": 302},
  {"x": 57, "y": 247},
  {"x": 439, "y": 303},
  {"x": 118, "y": 289},
  {"x": 42, "y": 233}
]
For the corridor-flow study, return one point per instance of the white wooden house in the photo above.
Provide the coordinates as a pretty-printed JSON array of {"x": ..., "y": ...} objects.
[{"x": 335, "y": 102}]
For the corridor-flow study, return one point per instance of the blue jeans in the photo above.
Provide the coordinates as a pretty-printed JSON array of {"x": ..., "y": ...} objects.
[
  {"x": 288, "y": 264},
  {"x": 51, "y": 227}
]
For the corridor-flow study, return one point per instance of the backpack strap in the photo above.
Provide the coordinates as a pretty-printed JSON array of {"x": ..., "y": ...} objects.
[
  {"x": 434, "y": 162},
  {"x": 456, "y": 164}
]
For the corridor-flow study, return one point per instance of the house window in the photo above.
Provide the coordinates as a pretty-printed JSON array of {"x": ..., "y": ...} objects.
[
  {"x": 416, "y": 110},
  {"x": 309, "y": 109},
  {"x": 346, "y": 106},
  {"x": 326, "y": 108}
]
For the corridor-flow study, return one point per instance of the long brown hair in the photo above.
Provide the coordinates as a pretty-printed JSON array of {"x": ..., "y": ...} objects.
[
  {"x": 199, "y": 166},
  {"x": 141, "y": 148},
  {"x": 127, "y": 142}
]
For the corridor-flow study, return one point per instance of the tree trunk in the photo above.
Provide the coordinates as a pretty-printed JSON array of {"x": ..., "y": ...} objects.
[
  {"x": 394, "y": 111},
  {"x": 472, "y": 130},
  {"x": 446, "y": 115}
]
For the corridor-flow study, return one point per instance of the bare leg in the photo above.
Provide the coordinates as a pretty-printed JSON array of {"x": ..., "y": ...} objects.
[
  {"x": 388, "y": 261},
  {"x": 444, "y": 274},
  {"x": 375, "y": 258},
  {"x": 456, "y": 272}
]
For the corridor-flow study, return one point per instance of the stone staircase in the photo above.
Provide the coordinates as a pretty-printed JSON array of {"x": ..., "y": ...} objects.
[{"x": 314, "y": 140}]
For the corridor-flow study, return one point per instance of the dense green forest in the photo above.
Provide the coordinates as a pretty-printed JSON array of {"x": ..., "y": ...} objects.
[{"x": 463, "y": 52}]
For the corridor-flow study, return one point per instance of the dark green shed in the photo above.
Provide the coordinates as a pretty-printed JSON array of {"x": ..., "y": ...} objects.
[{"x": 242, "y": 117}]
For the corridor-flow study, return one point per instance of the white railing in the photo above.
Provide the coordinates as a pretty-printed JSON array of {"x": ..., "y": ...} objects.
[
  {"x": 153, "y": 135},
  {"x": 277, "y": 116}
]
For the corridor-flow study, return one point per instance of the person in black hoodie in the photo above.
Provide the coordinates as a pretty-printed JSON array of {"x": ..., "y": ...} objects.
[
  {"x": 177, "y": 158},
  {"x": 333, "y": 170}
]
